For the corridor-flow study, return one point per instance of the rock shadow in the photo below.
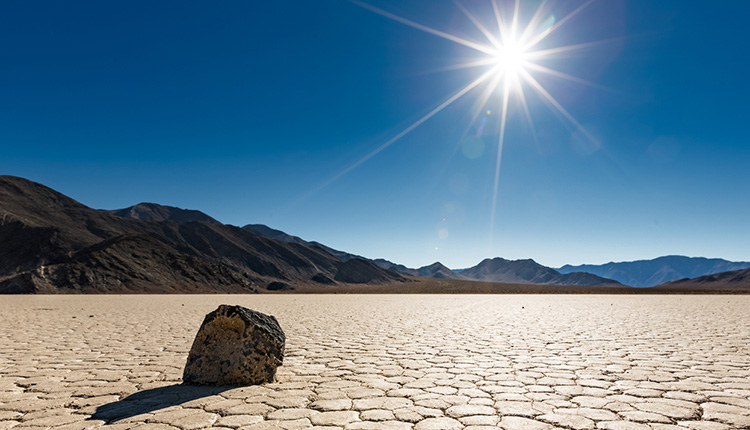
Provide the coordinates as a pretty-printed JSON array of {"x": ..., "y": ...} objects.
[{"x": 146, "y": 401}]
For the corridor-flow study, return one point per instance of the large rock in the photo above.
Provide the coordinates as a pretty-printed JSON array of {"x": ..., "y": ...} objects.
[{"x": 235, "y": 346}]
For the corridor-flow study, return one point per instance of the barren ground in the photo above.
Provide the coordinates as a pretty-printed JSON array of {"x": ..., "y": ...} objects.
[{"x": 386, "y": 362}]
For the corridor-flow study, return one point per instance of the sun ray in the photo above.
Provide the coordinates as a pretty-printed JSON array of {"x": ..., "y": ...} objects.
[
  {"x": 534, "y": 83},
  {"x": 478, "y": 25},
  {"x": 491, "y": 87},
  {"x": 565, "y": 76},
  {"x": 542, "y": 53},
  {"x": 471, "y": 64},
  {"x": 452, "y": 38},
  {"x": 479, "y": 106},
  {"x": 510, "y": 52},
  {"x": 501, "y": 141},
  {"x": 480, "y": 103},
  {"x": 405, "y": 131},
  {"x": 526, "y": 111},
  {"x": 557, "y": 25},
  {"x": 533, "y": 23},
  {"x": 514, "y": 24},
  {"x": 498, "y": 17}
]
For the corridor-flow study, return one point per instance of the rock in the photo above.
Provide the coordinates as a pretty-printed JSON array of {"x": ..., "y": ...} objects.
[{"x": 235, "y": 346}]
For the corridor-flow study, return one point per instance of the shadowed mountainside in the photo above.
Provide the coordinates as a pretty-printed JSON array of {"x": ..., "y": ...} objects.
[
  {"x": 131, "y": 262},
  {"x": 647, "y": 273},
  {"x": 51, "y": 243},
  {"x": 272, "y": 233},
  {"x": 735, "y": 280},
  {"x": 530, "y": 272}
]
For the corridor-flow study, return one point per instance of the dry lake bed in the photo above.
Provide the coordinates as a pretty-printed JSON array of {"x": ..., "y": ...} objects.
[{"x": 386, "y": 362}]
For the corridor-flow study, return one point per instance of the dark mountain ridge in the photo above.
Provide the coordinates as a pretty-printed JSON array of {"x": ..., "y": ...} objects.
[
  {"x": 735, "y": 280},
  {"x": 51, "y": 243},
  {"x": 648, "y": 273},
  {"x": 156, "y": 212},
  {"x": 273, "y": 233}
]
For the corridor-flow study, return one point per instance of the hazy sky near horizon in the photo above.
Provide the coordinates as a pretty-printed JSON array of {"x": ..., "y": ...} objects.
[{"x": 260, "y": 112}]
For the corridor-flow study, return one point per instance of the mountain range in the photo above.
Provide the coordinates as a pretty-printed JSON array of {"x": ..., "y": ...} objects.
[
  {"x": 724, "y": 281},
  {"x": 529, "y": 271},
  {"x": 648, "y": 273},
  {"x": 50, "y": 243},
  {"x": 489, "y": 270}
]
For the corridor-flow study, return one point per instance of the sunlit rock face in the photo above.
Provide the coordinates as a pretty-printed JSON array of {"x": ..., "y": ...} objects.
[{"x": 235, "y": 346}]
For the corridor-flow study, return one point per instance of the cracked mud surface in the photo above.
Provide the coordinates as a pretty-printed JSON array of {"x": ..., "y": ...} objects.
[{"x": 386, "y": 362}]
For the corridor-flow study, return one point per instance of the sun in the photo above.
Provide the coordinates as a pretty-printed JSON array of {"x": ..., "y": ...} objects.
[
  {"x": 510, "y": 60},
  {"x": 510, "y": 57}
]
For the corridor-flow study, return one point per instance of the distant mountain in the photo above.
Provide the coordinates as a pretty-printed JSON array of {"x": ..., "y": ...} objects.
[
  {"x": 647, "y": 273},
  {"x": 736, "y": 280},
  {"x": 494, "y": 270},
  {"x": 437, "y": 270},
  {"x": 530, "y": 272},
  {"x": 155, "y": 212},
  {"x": 51, "y": 243}
]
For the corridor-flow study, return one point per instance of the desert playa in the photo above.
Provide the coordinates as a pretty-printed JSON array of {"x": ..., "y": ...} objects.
[{"x": 386, "y": 362}]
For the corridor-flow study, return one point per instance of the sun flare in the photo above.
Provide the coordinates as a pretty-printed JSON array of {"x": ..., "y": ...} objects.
[
  {"x": 510, "y": 57},
  {"x": 510, "y": 60}
]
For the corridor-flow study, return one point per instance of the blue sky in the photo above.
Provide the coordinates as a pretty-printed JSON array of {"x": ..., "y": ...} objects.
[{"x": 247, "y": 110}]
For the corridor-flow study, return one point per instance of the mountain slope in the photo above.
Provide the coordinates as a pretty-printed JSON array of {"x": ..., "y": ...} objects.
[
  {"x": 529, "y": 272},
  {"x": 647, "y": 273},
  {"x": 437, "y": 270},
  {"x": 41, "y": 228},
  {"x": 272, "y": 233},
  {"x": 129, "y": 263},
  {"x": 735, "y": 280},
  {"x": 156, "y": 212}
]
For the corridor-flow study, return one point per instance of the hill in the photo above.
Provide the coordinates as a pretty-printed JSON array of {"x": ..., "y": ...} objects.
[
  {"x": 735, "y": 280},
  {"x": 530, "y": 272},
  {"x": 648, "y": 273},
  {"x": 52, "y": 243},
  {"x": 438, "y": 271}
]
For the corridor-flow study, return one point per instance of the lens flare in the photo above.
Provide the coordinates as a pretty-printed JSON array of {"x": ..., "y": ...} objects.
[{"x": 510, "y": 52}]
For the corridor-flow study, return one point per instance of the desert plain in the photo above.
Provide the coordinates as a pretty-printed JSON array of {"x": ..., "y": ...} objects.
[{"x": 423, "y": 362}]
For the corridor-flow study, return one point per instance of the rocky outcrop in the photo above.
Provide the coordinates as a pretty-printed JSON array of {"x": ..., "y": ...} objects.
[{"x": 235, "y": 346}]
